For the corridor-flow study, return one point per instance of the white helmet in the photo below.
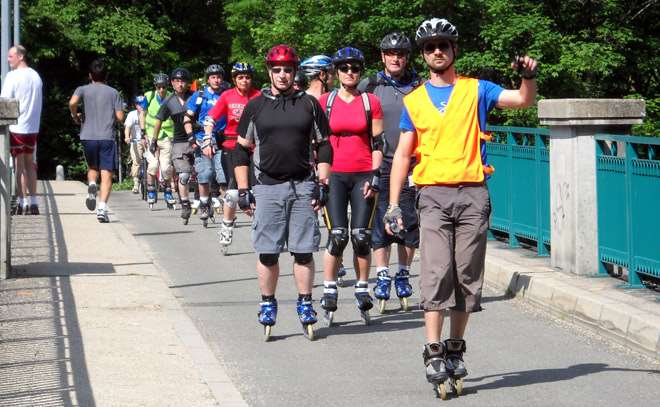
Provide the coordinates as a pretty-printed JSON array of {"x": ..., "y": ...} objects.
[{"x": 435, "y": 28}]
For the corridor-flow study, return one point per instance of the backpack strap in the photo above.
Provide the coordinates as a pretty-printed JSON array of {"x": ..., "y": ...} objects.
[
  {"x": 372, "y": 82},
  {"x": 328, "y": 104},
  {"x": 367, "y": 111}
]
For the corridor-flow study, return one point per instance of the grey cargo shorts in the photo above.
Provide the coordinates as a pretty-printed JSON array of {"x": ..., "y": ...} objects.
[{"x": 284, "y": 218}]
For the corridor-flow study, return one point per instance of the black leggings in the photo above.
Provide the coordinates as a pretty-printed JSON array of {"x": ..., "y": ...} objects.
[{"x": 347, "y": 187}]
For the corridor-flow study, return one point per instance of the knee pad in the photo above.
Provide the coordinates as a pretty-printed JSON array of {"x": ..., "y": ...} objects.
[
  {"x": 231, "y": 198},
  {"x": 302, "y": 258},
  {"x": 337, "y": 241},
  {"x": 361, "y": 239},
  {"x": 184, "y": 177},
  {"x": 269, "y": 259}
]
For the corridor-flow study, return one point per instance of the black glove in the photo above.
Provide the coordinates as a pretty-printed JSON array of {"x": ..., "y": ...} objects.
[
  {"x": 525, "y": 73},
  {"x": 374, "y": 184},
  {"x": 245, "y": 199},
  {"x": 392, "y": 217},
  {"x": 320, "y": 194},
  {"x": 153, "y": 146}
]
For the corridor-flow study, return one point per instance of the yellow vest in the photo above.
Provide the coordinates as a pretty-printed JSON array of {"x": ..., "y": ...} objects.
[
  {"x": 166, "y": 127},
  {"x": 448, "y": 145}
]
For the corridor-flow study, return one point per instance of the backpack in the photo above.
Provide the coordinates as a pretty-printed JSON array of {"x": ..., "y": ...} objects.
[{"x": 365, "y": 103}]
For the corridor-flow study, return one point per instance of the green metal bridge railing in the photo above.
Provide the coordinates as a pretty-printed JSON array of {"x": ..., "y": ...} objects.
[
  {"x": 628, "y": 185},
  {"x": 520, "y": 186}
]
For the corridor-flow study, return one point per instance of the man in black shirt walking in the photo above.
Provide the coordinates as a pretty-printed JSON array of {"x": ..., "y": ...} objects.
[{"x": 284, "y": 127}]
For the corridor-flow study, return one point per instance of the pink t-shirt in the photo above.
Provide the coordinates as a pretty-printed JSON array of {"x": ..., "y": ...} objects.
[{"x": 350, "y": 138}]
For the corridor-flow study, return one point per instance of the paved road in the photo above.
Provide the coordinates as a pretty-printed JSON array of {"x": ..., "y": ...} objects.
[{"x": 516, "y": 355}]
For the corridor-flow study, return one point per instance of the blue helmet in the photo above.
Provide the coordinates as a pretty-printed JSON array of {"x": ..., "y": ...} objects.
[
  {"x": 348, "y": 54},
  {"x": 312, "y": 66},
  {"x": 241, "y": 68}
]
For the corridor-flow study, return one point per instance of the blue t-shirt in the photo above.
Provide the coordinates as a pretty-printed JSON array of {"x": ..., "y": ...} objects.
[
  {"x": 489, "y": 94},
  {"x": 200, "y": 103}
]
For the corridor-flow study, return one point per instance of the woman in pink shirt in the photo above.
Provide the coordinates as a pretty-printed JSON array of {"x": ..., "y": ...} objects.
[{"x": 356, "y": 120}]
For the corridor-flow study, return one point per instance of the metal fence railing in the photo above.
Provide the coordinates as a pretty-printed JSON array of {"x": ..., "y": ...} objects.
[
  {"x": 628, "y": 185},
  {"x": 520, "y": 186}
]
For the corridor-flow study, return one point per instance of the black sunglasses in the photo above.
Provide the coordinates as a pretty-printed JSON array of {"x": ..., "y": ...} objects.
[
  {"x": 278, "y": 70},
  {"x": 352, "y": 68},
  {"x": 430, "y": 47}
]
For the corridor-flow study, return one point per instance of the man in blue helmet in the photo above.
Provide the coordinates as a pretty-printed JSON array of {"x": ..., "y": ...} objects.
[
  {"x": 207, "y": 154},
  {"x": 320, "y": 74}
]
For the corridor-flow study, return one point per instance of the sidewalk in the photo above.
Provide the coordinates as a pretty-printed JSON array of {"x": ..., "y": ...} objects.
[
  {"x": 89, "y": 321},
  {"x": 630, "y": 317}
]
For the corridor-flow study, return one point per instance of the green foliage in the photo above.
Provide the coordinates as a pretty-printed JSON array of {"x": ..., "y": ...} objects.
[{"x": 605, "y": 48}]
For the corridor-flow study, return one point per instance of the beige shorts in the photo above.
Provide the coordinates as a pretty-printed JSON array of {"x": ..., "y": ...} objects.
[
  {"x": 164, "y": 157},
  {"x": 137, "y": 152},
  {"x": 453, "y": 231}
]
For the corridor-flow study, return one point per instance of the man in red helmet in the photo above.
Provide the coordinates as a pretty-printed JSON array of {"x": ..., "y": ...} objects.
[{"x": 284, "y": 127}]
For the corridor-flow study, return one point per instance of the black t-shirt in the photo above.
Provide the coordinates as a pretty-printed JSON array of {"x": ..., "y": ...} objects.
[
  {"x": 173, "y": 108},
  {"x": 283, "y": 130}
]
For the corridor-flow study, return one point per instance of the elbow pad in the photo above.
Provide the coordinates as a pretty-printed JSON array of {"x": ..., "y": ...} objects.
[
  {"x": 208, "y": 121},
  {"x": 240, "y": 155},
  {"x": 324, "y": 151},
  {"x": 378, "y": 143}
]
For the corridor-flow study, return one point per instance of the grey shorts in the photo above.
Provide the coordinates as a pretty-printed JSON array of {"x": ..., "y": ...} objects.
[
  {"x": 284, "y": 219},
  {"x": 182, "y": 157},
  {"x": 453, "y": 229}
]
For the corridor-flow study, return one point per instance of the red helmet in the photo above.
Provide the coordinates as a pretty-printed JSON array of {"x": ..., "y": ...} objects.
[{"x": 282, "y": 54}]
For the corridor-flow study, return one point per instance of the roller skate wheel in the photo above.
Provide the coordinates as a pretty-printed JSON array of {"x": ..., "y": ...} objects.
[
  {"x": 381, "y": 305},
  {"x": 194, "y": 211},
  {"x": 441, "y": 391},
  {"x": 224, "y": 249},
  {"x": 458, "y": 386},
  {"x": 151, "y": 207},
  {"x": 329, "y": 316},
  {"x": 404, "y": 304},
  {"x": 218, "y": 211},
  {"x": 365, "y": 317},
  {"x": 308, "y": 330},
  {"x": 267, "y": 330}
]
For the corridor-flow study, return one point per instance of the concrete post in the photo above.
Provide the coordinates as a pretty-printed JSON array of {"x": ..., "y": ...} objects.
[
  {"x": 8, "y": 115},
  {"x": 59, "y": 173},
  {"x": 573, "y": 125}
]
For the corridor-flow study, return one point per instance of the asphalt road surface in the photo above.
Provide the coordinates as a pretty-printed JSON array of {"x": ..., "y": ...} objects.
[{"x": 517, "y": 355}]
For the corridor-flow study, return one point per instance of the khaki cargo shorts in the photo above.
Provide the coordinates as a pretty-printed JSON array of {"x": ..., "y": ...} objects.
[{"x": 453, "y": 231}]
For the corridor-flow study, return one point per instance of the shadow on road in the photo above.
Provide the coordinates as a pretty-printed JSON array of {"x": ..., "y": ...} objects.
[
  {"x": 536, "y": 376},
  {"x": 42, "y": 357}
]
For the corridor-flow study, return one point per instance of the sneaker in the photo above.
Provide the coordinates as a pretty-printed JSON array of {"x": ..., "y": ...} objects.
[
  {"x": 91, "y": 197},
  {"x": 135, "y": 190},
  {"x": 102, "y": 215},
  {"x": 34, "y": 209}
]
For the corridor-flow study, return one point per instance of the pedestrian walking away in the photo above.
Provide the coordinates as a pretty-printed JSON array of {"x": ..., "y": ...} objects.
[
  {"x": 103, "y": 107},
  {"x": 284, "y": 126},
  {"x": 134, "y": 137},
  {"x": 174, "y": 107},
  {"x": 443, "y": 124},
  {"x": 390, "y": 85},
  {"x": 228, "y": 110},
  {"x": 24, "y": 83},
  {"x": 356, "y": 123}
]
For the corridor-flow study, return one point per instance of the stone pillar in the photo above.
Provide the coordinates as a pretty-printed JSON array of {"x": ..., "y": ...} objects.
[
  {"x": 8, "y": 115},
  {"x": 573, "y": 125}
]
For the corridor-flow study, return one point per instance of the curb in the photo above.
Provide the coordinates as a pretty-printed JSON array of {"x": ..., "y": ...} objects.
[{"x": 551, "y": 290}]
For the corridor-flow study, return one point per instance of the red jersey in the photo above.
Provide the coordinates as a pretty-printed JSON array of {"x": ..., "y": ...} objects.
[
  {"x": 350, "y": 137},
  {"x": 231, "y": 105}
]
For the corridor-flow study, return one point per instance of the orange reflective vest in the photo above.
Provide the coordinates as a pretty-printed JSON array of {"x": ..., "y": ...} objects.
[{"x": 448, "y": 145}]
